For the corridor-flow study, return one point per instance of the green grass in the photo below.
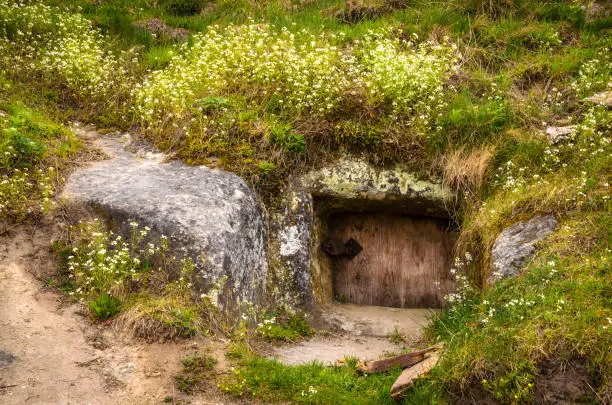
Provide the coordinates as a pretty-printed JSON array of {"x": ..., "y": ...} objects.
[
  {"x": 498, "y": 46},
  {"x": 104, "y": 307},
  {"x": 498, "y": 338},
  {"x": 195, "y": 369},
  {"x": 313, "y": 383},
  {"x": 284, "y": 327},
  {"x": 470, "y": 122},
  {"x": 559, "y": 308},
  {"x": 170, "y": 315},
  {"x": 513, "y": 54},
  {"x": 35, "y": 151},
  {"x": 198, "y": 363},
  {"x": 186, "y": 383},
  {"x": 159, "y": 56}
]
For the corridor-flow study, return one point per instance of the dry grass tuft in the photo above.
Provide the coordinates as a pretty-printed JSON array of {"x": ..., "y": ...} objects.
[
  {"x": 157, "y": 318},
  {"x": 465, "y": 172}
]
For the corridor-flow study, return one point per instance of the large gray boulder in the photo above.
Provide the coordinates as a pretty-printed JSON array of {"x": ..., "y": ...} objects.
[
  {"x": 516, "y": 244},
  {"x": 210, "y": 216}
]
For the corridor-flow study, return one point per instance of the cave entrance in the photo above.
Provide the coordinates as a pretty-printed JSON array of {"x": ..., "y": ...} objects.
[{"x": 388, "y": 259}]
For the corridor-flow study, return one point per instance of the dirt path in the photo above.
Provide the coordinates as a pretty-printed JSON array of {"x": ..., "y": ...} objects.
[
  {"x": 51, "y": 354},
  {"x": 359, "y": 331},
  {"x": 329, "y": 349}
]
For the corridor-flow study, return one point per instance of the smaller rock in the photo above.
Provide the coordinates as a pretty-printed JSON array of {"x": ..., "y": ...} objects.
[
  {"x": 595, "y": 10},
  {"x": 603, "y": 98},
  {"x": 125, "y": 369},
  {"x": 159, "y": 28},
  {"x": 6, "y": 359},
  {"x": 295, "y": 238},
  {"x": 559, "y": 134},
  {"x": 515, "y": 245},
  {"x": 356, "y": 11},
  {"x": 3, "y": 113}
]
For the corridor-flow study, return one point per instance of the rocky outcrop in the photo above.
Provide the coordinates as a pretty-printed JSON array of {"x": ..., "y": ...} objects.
[
  {"x": 355, "y": 185},
  {"x": 210, "y": 216},
  {"x": 158, "y": 28},
  {"x": 559, "y": 134},
  {"x": 516, "y": 245},
  {"x": 595, "y": 10},
  {"x": 603, "y": 98}
]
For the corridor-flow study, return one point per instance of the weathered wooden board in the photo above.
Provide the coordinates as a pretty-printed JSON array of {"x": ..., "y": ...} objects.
[
  {"x": 405, "y": 380},
  {"x": 404, "y": 262},
  {"x": 403, "y": 360}
]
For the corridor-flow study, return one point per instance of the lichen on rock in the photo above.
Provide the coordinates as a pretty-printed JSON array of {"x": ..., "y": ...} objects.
[
  {"x": 355, "y": 182},
  {"x": 515, "y": 245},
  {"x": 293, "y": 240},
  {"x": 210, "y": 216}
]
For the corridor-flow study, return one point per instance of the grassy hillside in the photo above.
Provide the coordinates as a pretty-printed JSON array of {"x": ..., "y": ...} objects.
[
  {"x": 462, "y": 89},
  {"x": 34, "y": 154}
]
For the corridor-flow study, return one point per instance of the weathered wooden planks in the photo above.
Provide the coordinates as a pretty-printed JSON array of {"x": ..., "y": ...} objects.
[
  {"x": 415, "y": 364},
  {"x": 404, "y": 262}
]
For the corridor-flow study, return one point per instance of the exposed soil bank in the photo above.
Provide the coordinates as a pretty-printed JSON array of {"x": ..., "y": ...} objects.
[{"x": 50, "y": 353}]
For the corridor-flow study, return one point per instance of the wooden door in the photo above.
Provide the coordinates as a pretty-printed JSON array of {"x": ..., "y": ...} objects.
[{"x": 404, "y": 262}]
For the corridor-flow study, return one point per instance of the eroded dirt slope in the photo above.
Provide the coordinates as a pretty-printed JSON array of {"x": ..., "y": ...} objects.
[{"x": 50, "y": 353}]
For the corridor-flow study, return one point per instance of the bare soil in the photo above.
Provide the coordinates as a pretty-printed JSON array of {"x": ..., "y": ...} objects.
[
  {"x": 328, "y": 350},
  {"x": 51, "y": 353},
  {"x": 365, "y": 332},
  {"x": 564, "y": 383}
]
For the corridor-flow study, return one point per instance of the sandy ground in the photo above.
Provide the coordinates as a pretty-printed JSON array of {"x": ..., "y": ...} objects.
[
  {"x": 50, "y": 353},
  {"x": 370, "y": 320},
  {"x": 359, "y": 331},
  {"x": 329, "y": 349}
]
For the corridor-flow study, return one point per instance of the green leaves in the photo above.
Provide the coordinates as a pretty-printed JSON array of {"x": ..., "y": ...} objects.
[
  {"x": 212, "y": 103},
  {"x": 284, "y": 136},
  {"x": 104, "y": 307}
]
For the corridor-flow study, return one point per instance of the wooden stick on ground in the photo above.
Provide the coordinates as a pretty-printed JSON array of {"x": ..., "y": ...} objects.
[{"x": 403, "y": 360}]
